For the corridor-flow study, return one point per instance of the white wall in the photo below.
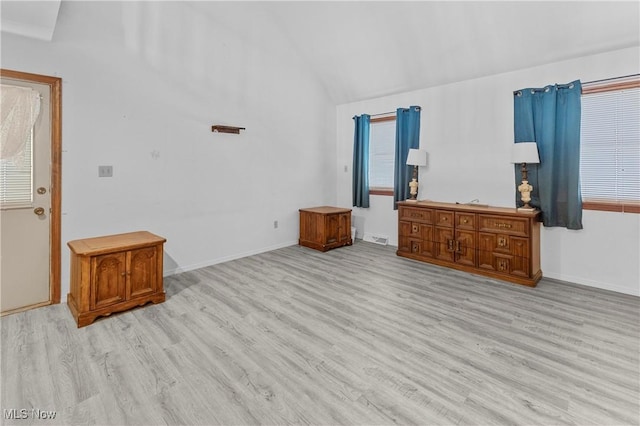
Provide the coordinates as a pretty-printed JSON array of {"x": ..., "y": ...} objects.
[
  {"x": 467, "y": 128},
  {"x": 141, "y": 94}
]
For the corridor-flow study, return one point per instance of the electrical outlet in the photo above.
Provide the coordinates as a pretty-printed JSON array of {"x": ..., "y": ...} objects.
[
  {"x": 275, "y": 224},
  {"x": 105, "y": 171}
]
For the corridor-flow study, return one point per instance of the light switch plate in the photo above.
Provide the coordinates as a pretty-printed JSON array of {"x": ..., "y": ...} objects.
[{"x": 105, "y": 171}]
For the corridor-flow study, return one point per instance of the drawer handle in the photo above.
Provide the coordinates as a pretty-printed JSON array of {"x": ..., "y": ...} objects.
[
  {"x": 450, "y": 244},
  {"x": 502, "y": 242},
  {"x": 444, "y": 218},
  {"x": 504, "y": 225},
  {"x": 502, "y": 265},
  {"x": 416, "y": 215},
  {"x": 465, "y": 221}
]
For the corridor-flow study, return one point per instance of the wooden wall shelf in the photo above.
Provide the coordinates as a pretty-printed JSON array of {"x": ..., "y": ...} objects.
[{"x": 226, "y": 129}]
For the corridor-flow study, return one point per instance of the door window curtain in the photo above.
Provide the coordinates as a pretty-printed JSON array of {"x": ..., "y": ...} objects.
[
  {"x": 407, "y": 137},
  {"x": 20, "y": 107},
  {"x": 550, "y": 116},
  {"x": 361, "y": 161}
]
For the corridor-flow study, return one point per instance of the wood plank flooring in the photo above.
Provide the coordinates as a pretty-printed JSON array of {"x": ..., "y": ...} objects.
[{"x": 353, "y": 336}]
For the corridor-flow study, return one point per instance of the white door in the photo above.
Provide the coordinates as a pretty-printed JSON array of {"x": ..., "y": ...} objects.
[{"x": 25, "y": 218}]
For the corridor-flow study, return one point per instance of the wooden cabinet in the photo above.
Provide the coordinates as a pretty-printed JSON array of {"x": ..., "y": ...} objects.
[
  {"x": 114, "y": 273},
  {"x": 324, "y": 228},
  {"x": 502, "y": 243}
]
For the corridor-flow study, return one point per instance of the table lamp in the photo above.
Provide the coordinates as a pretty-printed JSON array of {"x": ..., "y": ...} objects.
[
  {"x": 525, "y": 152},
  {"x": 416, "y": 157}
]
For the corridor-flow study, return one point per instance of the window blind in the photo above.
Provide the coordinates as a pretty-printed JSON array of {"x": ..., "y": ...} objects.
[
  {"x": 610, "y": 146},
  {"x": 20, "y": 109},
  {"x": 382, "y": 151},
  {"x": 16, "y": 179}
]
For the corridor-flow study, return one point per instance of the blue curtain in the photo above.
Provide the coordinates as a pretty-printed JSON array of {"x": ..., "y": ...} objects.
[
  {"x": 550, "y": 116},
  {"x": 407, "y": 137},
  {"x": 361, "y": 161}
]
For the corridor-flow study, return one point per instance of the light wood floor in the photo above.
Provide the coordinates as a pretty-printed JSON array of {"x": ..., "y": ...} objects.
[{"x": 353, "y": 336}]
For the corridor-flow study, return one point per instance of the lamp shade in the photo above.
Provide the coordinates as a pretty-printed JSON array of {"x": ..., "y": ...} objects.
[
  {"x": 417, "y": 157},
  {"x": 525, "y": 152}
]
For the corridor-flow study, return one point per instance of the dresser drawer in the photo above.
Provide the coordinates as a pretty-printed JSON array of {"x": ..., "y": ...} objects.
[
  {"x": 410, "y": 229},
  {"x": 416, "y": 247},
  {"x": 444, "y": 218},
  {"x": 506, "y": 225},
  {"x": 503, "y": 243},
  {"x": 504, "y": 264},
  {"x": 465, "y": 221},
  {"x": 416, "y": 214}
]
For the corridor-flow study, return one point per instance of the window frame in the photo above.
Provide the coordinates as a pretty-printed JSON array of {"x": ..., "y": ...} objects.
[
  {"x": 387, "y": 191},
  {"x": 602, "y": 204}
]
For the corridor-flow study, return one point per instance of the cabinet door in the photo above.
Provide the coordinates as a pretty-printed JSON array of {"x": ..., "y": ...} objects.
[
  {"x": 466, "y": 248},
  {"x": 143, "y": 272},
  {"x": 344, "y": 227},
  {"x": 444, "y": 244},
  {"x": 487, "y": 243},
  {"x": 331, "y": 229},
  {"x": 108, "y": 280},
  {"x": 426, "y": 236},
  {"x": 520, "y": 252},
  {"x": 404, "y": 234}
]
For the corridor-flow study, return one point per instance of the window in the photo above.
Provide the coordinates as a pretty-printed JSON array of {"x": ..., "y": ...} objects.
[
  {"x": 382, "y": 151},
  {"x": 610, "y": 146},
  {"x": 16, "y": 179},
  {"x": 20, "y": 109}
]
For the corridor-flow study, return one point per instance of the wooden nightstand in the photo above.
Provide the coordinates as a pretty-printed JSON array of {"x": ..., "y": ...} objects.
[{"x": 324, "y": 228}]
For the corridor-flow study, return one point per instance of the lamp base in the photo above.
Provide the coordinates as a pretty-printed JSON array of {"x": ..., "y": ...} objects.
[
  {"x": 525, "y": 194},
  {"x": 413, "y": 185},
  {"x": 526, "y": 209}
]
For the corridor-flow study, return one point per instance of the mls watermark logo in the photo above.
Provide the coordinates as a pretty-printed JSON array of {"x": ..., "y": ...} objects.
[{"x": 31, "y": 413}]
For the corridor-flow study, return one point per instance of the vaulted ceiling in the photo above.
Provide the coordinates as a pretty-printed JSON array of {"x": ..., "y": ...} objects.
[{"x": 360, "y": 50}]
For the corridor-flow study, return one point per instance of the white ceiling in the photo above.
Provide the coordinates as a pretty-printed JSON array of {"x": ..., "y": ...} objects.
[
  {"x": 360, "y": 50},
  {"x": 36, "y": 19}
]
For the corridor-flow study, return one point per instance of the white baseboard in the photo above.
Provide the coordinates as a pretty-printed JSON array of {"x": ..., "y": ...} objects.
[
  {"x": 199, "y": 265},
  {"x": 597, "y": 284}
]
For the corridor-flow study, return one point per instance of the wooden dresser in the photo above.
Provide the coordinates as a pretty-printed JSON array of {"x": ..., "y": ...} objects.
[
  {"x": 114, "y": 273},
  {"x": 324, "y": 228},
  {"x": 502, "y": 243}
]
